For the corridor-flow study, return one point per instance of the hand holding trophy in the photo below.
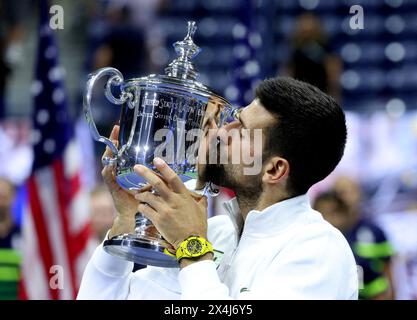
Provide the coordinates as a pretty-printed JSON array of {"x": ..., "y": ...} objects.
[{"x": 161, "y": 116}]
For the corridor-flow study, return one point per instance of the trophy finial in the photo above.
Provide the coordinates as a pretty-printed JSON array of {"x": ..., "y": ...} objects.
[
  {"x": 182, "y": 67},
  {"x": 191, "y": 30}
]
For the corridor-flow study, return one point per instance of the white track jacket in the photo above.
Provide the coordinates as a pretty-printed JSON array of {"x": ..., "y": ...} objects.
[{"x": 286, "y": 251}]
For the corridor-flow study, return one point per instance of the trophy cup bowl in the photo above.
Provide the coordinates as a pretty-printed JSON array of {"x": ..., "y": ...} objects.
[{"x": 161, "y": 115}]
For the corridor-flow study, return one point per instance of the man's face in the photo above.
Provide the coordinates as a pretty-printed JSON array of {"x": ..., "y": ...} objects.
[{"x": 238, "y": 161}]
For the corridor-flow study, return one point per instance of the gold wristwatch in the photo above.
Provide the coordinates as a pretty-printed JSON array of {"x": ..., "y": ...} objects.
[{"x": 193, "y": 247}]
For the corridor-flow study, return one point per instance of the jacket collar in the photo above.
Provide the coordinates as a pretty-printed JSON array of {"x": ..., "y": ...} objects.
[{"x": 271, "y": 220}]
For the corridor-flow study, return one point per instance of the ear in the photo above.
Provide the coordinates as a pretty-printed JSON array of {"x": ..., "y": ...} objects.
[{"x": 276, "y": 170}]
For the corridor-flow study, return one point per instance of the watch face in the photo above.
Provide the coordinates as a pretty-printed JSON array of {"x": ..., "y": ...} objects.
[{"x": 194, "y": 246}]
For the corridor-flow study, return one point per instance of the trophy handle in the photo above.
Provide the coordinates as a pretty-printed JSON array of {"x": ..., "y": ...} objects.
[{"x": 116, "y": 78}]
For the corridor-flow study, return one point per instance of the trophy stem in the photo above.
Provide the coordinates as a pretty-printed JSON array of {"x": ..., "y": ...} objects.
[
  {"x": 141, "y": 223},
  {"x": 175, "y": 102},
  {"x": 145, "y": 246},
  {"x": 144, "y": 229}
]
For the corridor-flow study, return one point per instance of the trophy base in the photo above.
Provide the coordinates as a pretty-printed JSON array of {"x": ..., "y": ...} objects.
[{"x": 141, "y": 251}]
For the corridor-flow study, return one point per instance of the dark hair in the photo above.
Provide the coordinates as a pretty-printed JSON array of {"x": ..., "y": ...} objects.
[{"x": 310, "y": 132}]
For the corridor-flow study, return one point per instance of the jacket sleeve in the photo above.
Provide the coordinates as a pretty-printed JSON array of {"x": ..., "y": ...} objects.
[
  {"x": 199, "y": 281},
  {"x": 305, "y": 270},
  {"x": 105, "y": 277}
]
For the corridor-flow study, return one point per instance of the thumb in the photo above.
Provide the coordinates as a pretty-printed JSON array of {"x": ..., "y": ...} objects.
[{"x": 203, "y": 202}]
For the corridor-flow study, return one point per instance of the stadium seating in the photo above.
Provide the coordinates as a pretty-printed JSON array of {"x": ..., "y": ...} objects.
[{"x": 379, "y": 61}]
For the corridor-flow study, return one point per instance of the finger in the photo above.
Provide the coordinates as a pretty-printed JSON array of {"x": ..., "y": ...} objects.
[
  {"x": 170, "y": 176},
  {"x": 114, "y": 135},
  {"x": 148, "y": 197},
  {"x": 107, "y": 174},
  {"x": 107, "y": 153},
  {"x": 209, "y": 124},
  {"x": 206, "y": 121},
  {"x": 135, "y": 191},
  {"x": 212, "y": 123},
  {"x": 195, "y": 196},
  {"x": 148, "y": 212},
  {"x": 170, "y": 248},
  {"x": 153, "y": 179},
  {"x": 108, "y": 171},
  {"x": 203, "y": 202},
  {"x": 145, "y": 188}
]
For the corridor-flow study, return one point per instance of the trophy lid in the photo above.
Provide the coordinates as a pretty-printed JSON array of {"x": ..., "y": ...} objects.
[
  {"x": 182, "y": 67},
  {"x": 180, "y": 74}
]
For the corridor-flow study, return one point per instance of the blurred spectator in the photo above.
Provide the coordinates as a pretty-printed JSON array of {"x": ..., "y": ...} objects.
[
  {"x": 144, "y": 17},
  {"x": 132, "y": 37},
  {"x": 143, "y": 11},
  {"x": 350, "y": 192},
  {"x": 4, "y": 72},
  {"x": 11, "y": 51},
  {"x": 16, "y": 154},
  {"x": 102, "y": 212},
  {"x": 311, "y": 59},
  {"x": 124, "y": 47},
  {"x": 333, "y": 209},
  {"x": 372, "y": 250},
  {"x": 10, "y": 258}
]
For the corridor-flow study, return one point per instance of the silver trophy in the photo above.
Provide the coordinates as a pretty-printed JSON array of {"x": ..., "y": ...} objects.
[{"x": 161, "y": 115}]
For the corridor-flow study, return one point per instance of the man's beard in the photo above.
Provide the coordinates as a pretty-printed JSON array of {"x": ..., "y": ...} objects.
[{"x": 247, "y": 187}]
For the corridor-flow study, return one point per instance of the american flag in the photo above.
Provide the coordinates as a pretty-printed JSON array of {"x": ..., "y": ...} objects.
[{"x": 55, "y": 226}]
